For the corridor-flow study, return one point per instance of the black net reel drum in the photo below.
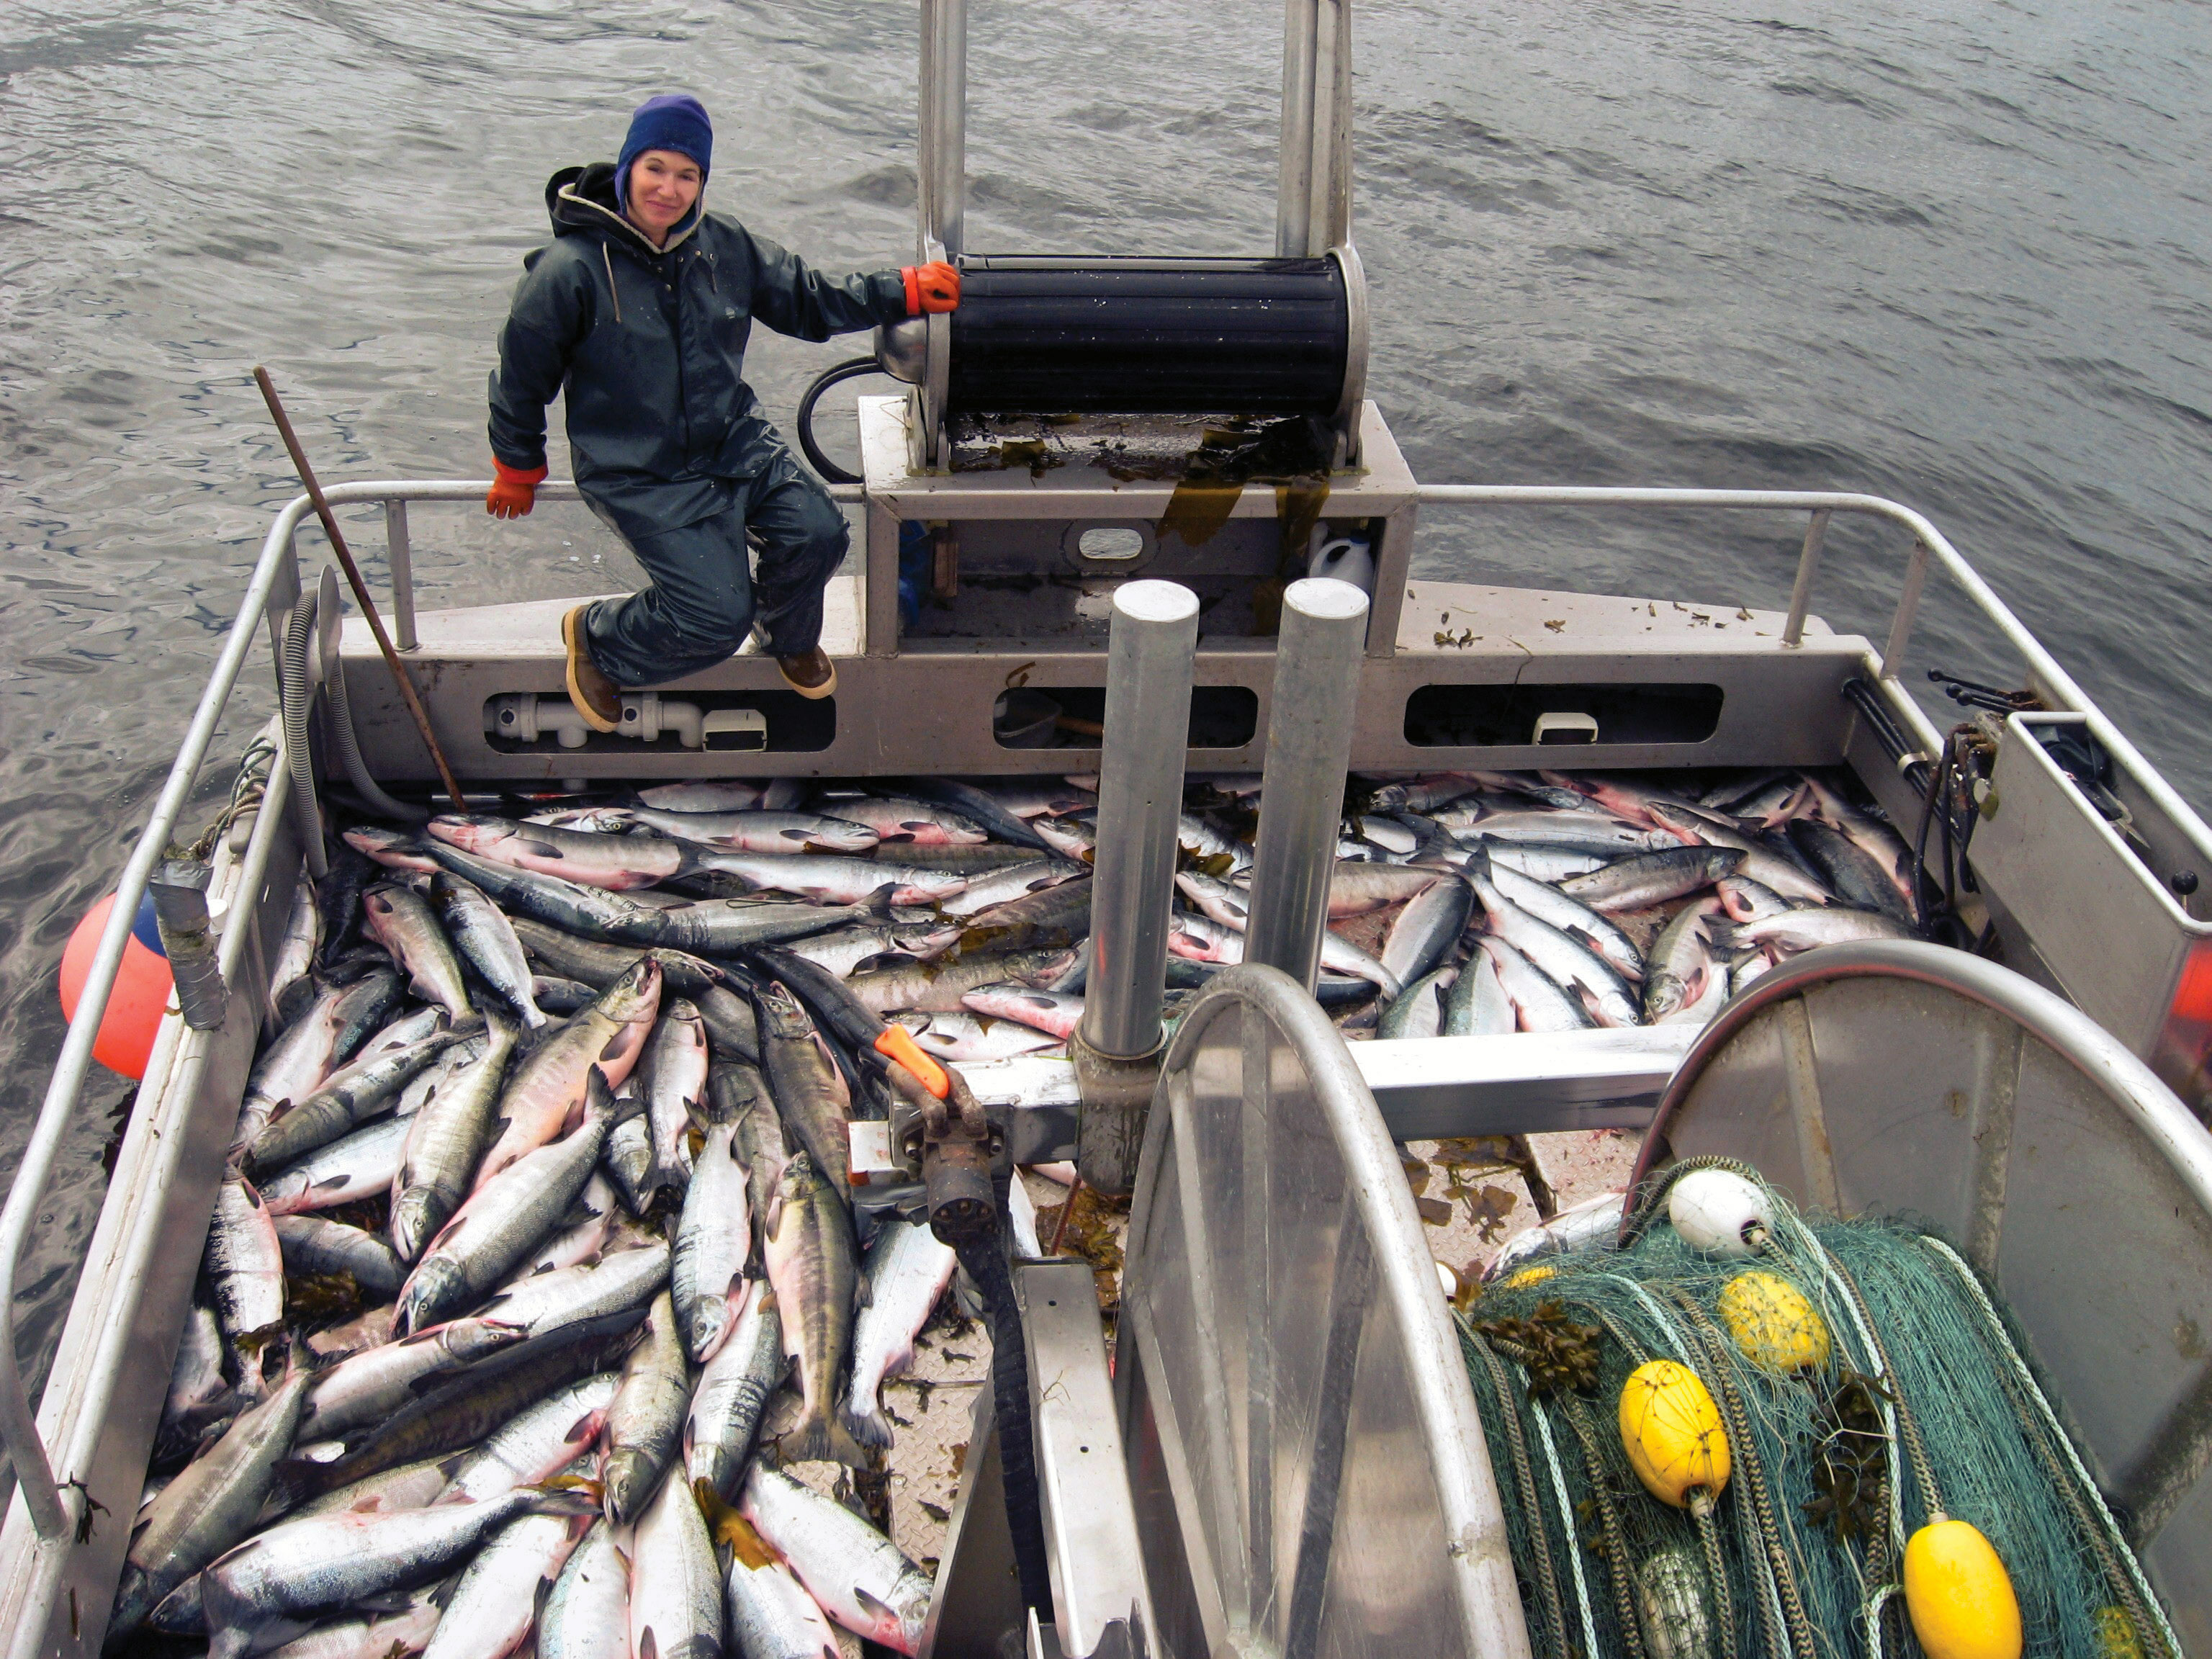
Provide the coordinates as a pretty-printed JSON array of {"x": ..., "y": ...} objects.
[{"x": 1045, "y": 335}]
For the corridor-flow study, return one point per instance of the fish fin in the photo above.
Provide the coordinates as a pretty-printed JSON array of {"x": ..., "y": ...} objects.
[
  {"x": 868, "y": 1426},
  {"x": 881, "y": 1612},
  {"x": 1720, "y": 935},
  {"x": 823, "y": 1439},
  {"x": 296, "y": 1479},
  {"x": 878, "y": 902},
  {"x": 569, "y": 1494},
  {"x": 728, "y": 1527},
  {"x": 599, "y": 1093}
]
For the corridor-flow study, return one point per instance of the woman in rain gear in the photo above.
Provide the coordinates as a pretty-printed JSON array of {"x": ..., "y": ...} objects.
[{"x": 639, "y": 309}]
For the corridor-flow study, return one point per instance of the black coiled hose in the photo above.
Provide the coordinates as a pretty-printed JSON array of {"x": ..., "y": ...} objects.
[{"x": 851, "y": 370}]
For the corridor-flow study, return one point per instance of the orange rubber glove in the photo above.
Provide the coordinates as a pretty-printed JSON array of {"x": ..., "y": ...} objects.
[
  {"x": 932, "y": 287},
  {"x": 514, "y": 492}
]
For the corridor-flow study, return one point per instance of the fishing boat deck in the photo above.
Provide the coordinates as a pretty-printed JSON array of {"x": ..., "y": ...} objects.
[{"x": 1787, "y": 697}]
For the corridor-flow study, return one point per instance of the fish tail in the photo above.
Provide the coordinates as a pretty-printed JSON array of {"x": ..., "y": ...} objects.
[
  {"x": 1720, "y": 935},
  {"x": 823, "y": 1439},
  {"x": 866, "y": 1423}
]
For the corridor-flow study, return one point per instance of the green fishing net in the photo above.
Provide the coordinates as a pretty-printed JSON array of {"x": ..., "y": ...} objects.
[{"x": 1916, "y": 1384}]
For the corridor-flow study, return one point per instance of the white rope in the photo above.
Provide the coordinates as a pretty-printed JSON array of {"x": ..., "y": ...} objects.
[{"x": 1567, "y": 1521}]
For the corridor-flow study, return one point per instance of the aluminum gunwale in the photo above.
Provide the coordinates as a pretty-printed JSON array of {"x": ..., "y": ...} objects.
[{"x": 156, "y": 1149}]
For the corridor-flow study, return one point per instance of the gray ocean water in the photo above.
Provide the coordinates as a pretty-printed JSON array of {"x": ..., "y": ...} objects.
[{"x": 1953, "y": 254}]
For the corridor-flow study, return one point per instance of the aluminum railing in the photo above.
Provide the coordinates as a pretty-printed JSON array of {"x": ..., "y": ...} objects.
[
  {"x": 274, "y": 585},
  {"x": 2053, "y": 683}
]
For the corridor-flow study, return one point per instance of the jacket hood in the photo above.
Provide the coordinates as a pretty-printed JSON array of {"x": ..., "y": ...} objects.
[{"x": 579, "y": 199}]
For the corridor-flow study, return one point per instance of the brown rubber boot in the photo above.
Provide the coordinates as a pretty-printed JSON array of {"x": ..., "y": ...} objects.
[
  {"x": 591, "y": 691},
  {"x": 812, "y": 674}
]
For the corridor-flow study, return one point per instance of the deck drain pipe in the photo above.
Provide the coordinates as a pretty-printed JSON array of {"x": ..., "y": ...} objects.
[
  {"x": 1317, "y": 659},
  {"x": 1152, "y": 645}
]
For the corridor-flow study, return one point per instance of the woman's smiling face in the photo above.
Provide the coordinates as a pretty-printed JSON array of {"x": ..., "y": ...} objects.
[{"x": 663, "y": 186}]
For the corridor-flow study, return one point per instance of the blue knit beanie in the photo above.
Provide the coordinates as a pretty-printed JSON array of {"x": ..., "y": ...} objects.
[{"x": 675, "y": 121}]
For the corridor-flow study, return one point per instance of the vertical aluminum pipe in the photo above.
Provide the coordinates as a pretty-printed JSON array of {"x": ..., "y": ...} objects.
[
  {"x": 180, "y": 914},
  {"x": 942, "y": 170},
  {"x": 1153, "y": 641},
  {"x": 1313, "y": 204},
  {"x": 1117, "y": 1050},
  {"x": 1317, "y": 659}
]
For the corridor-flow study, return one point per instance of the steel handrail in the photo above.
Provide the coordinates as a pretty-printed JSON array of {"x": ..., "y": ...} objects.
[
  {"x": 44, "y": 1497},
  {"x": 2056, "y": 686}
]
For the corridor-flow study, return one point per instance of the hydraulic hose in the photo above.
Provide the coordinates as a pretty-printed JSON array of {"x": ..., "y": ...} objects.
[
  {"x": 297, "y": 697},
  {"x": 851, "y": 370},
  {"x": 297, "y": 694},
  {"x": 982, "y": 1251},
  {"x": 349, "y": 755}
]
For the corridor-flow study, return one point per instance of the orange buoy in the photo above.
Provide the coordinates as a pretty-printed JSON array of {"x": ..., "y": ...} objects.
[{"x": 141, "y": 993}]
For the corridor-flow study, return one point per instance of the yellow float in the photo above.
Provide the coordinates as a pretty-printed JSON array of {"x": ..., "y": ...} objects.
[
  {"x": 1673, "y": 1434},
  {"x": 2115, "y": 1635},
  {"x": 1773, "y": 1326},
  {"x": 1959, "y": 1593}
]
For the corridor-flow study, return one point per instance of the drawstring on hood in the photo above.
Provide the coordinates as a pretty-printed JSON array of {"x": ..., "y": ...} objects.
[{"x": 613, "y": 286}]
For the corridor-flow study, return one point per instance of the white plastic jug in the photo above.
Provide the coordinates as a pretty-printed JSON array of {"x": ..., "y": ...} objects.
[{"x": 1348, "y": 560}]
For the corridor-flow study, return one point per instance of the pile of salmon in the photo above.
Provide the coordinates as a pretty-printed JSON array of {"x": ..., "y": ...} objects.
[{"x": 541, "y": 1202}]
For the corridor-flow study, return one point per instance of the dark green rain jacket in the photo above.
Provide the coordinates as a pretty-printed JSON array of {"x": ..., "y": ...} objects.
[{"x": 649, "y": 345}]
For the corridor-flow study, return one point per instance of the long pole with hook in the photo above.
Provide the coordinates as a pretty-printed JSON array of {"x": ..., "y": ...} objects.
[{"x": 407, "y": 691}]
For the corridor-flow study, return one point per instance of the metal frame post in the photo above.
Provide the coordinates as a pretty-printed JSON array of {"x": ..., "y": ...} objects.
[
  {"x": 1908, "y": 604},
  {"x": 1808, "y": 570},
  {"x": 1313, "y": 200},
  {"x": 941, "y": 138},
  {"x": 1309, "y": 716},
  {"x": 1151, "y": 653},
  {"x": 399, "y": 554}
]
